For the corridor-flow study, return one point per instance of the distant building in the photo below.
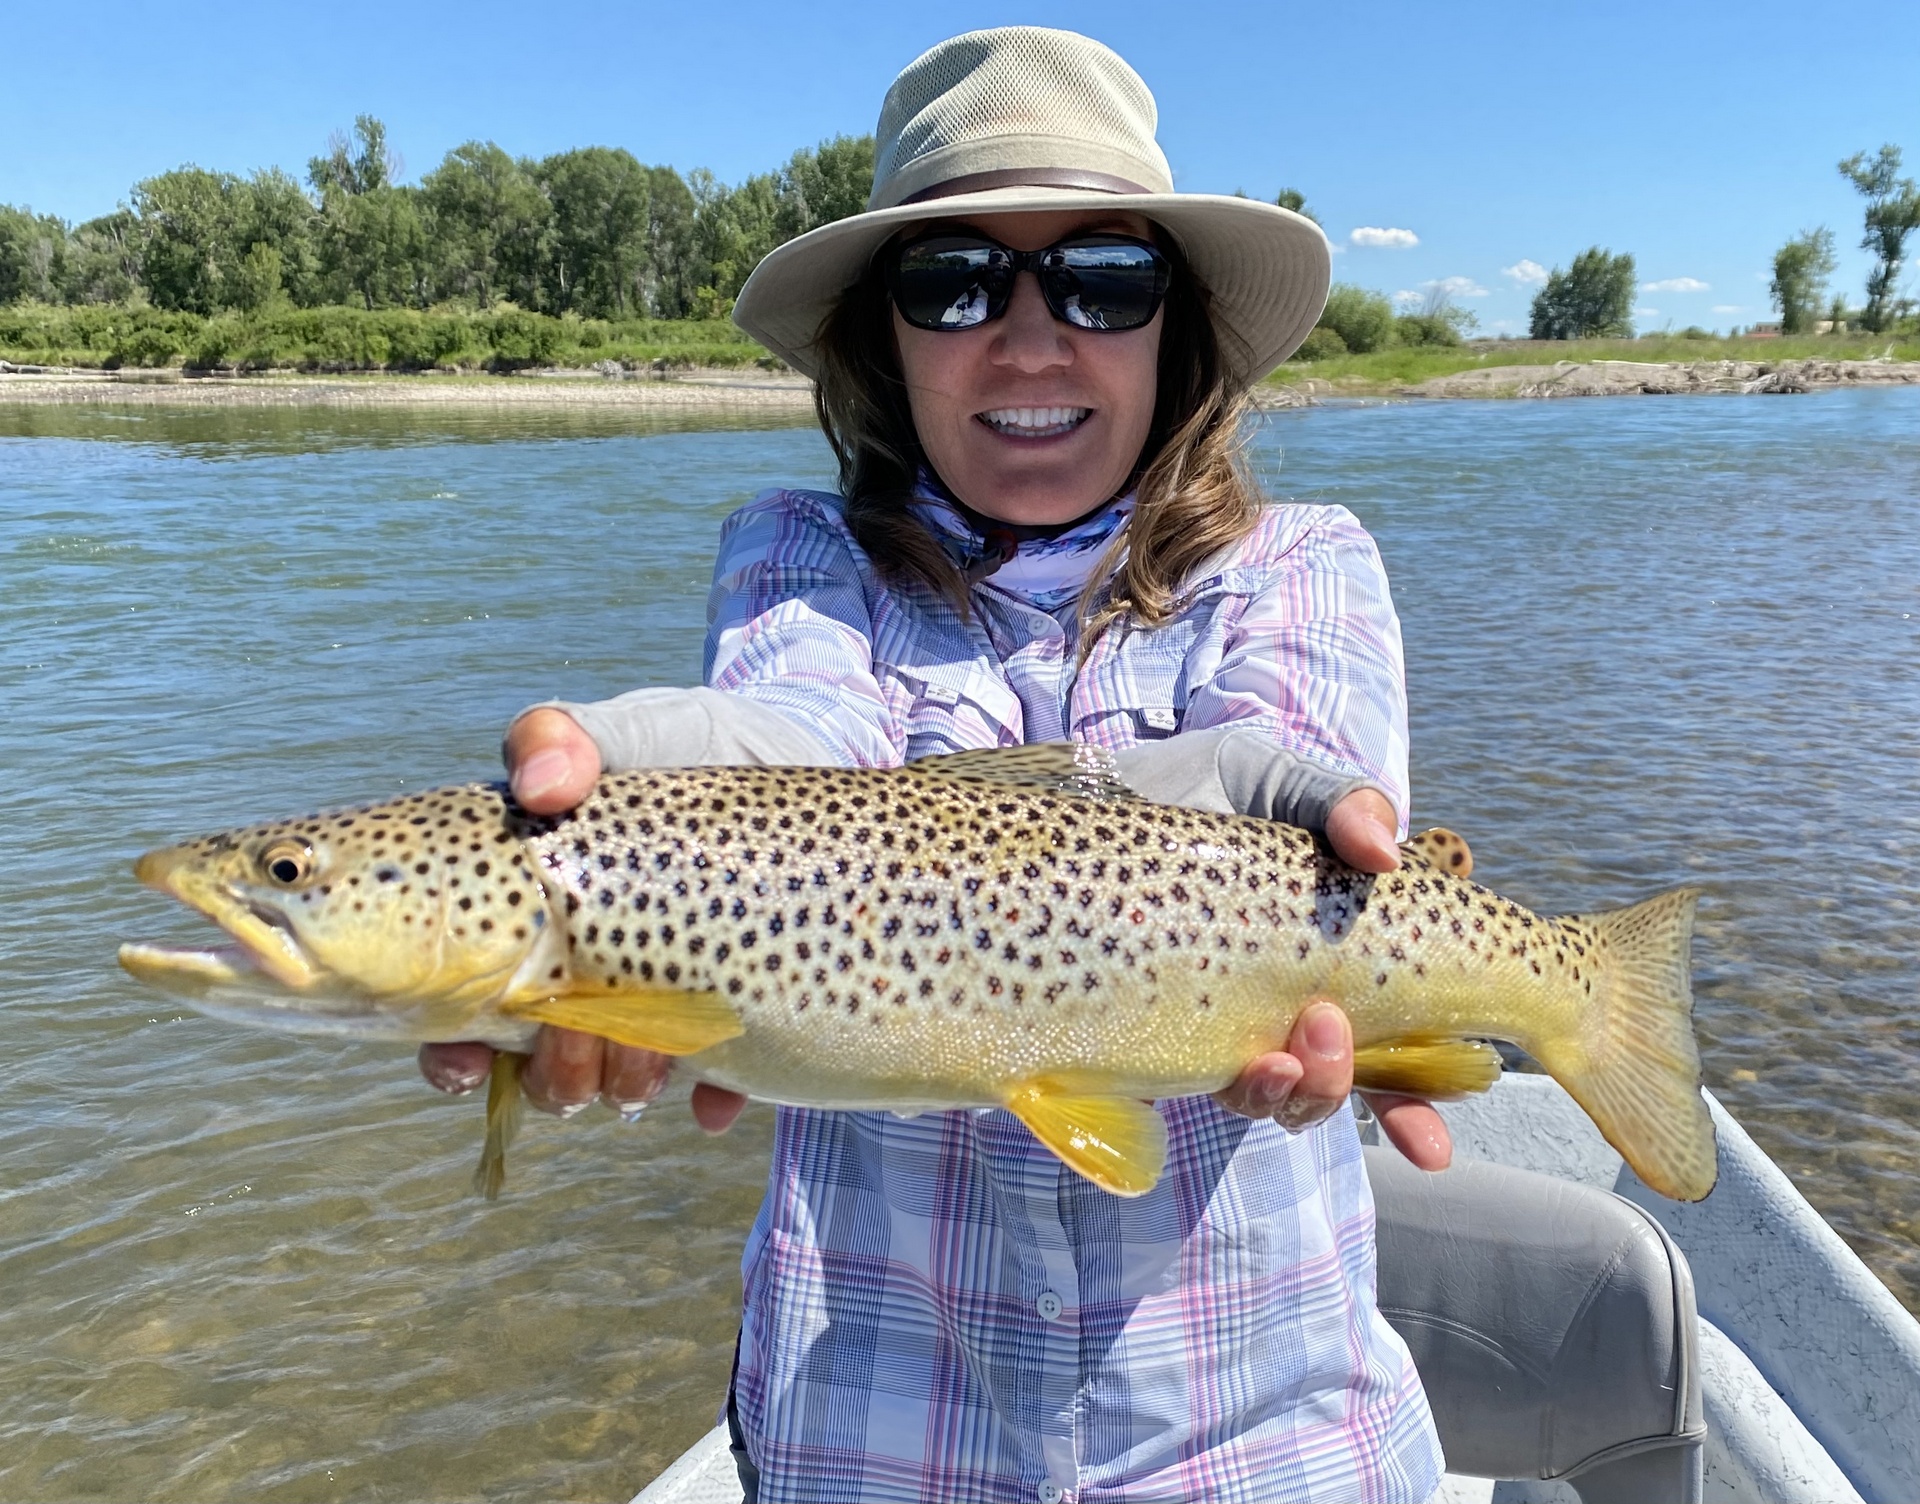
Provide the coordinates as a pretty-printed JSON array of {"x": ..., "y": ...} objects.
[
  {"x": 1828, "y": 326},
  {"x": 1764, "y": 331}
]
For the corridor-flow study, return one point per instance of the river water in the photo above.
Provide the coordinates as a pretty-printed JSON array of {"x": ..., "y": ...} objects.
[{"x": 1649, "y": 642}]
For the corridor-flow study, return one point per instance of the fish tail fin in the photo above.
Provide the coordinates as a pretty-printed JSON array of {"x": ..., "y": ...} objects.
[
  {"x": 1634, "y": 1065},
  {"x": 505, "y": 1105}
]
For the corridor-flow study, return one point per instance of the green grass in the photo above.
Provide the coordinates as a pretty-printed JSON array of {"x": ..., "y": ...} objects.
[
  {"x": 1404, "y": 365},
  {"x": 113, "y": 337}
]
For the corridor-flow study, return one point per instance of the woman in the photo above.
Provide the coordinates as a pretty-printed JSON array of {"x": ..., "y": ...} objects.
[{"x": 1032, "y": 359}]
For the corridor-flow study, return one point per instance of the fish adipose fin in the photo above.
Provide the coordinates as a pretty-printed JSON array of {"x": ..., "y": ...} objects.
[
  {"x": 1118, "y": 1143},
  {"x": 1634, "y": 1067},
  {"x": 1062, "y": 767},
  {"x": 1440, "y": 849},
  {"x": 1441, "y": 1070},
  {"x": 504, "y": 1108},
  {"x": 664, "y": 1019}
]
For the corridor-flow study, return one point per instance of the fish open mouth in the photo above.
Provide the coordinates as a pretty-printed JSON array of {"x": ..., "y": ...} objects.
[{"x": 266, "y": 948}]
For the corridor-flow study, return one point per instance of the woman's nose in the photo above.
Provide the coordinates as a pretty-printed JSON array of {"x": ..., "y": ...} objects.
[{"x": 1030, "y": 338}]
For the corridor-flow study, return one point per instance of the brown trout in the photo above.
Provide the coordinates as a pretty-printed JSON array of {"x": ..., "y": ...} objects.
[{"x": 992, "y": 929}]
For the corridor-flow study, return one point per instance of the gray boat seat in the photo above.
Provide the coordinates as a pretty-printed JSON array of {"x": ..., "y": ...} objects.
[{"x": 1553, "y": 1326}]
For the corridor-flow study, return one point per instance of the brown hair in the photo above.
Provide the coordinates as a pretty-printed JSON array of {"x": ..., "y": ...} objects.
[{"x": 1193, "y": 493}]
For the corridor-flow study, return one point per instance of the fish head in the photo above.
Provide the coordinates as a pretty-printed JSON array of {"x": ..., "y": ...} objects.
[{"x": 400, "y": 920}]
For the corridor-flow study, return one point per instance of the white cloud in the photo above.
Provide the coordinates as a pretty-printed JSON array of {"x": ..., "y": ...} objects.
[
  {"x": 1398, "y": 240},
  {"x": 1526, "y": 273},
  {"x": 1407, "y": 298},
  {"x": 1729, "y": 308},
  {"x": 1456, "y": 287},
  {"x": 1646, "y": 313},
  {"x": 1676, "y": 284}
]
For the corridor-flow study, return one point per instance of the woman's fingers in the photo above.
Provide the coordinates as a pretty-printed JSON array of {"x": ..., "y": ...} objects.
[
  {"x": 1304, "y": 1083},
  {"x": 1414, "y": 1128},
  {"x": 455, "y": 1068},
  {"x": 552, "y": 764},
  {"x": 714, "y": 1109},
  {"x": 1363, "y": 831}
]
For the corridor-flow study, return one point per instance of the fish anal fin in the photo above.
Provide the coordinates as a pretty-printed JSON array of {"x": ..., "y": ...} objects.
[
  {"x": 1118, "y": 1143},
  {"x": 1440, "y": 1070},
  {"x": 1440, "y": 849},
  {"x": 505, "y": 1106},
  {"x": 667, "y": 1020},
  {"x": 1076, "y": 768}
]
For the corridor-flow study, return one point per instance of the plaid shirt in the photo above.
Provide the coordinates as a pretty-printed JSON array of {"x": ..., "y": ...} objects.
[{"x": 938, "y": 1310}]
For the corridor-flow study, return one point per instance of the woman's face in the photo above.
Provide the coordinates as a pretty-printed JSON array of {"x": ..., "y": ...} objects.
[{"x": 1029, "y": 419}]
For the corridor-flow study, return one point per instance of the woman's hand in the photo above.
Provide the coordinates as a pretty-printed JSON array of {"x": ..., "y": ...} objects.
[
  {"x": 551, "y": 765},
  {"x": 1311, "y": 1078}
]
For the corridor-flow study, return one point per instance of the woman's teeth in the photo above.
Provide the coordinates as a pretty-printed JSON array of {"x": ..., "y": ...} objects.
[{"x": 1035, "y": 422}]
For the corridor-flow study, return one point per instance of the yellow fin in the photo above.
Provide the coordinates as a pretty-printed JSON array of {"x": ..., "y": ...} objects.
[
  {"x": 1064, "y": 767},
  {"x": 666, "y": 1019},
  {"x": 1440, "y": 849},
  {"x": 1442, "y": 1070},
  {"x": 504, "y": 1108},
  {"x": 1635, "y": 1067},
  {"x": 1118, "y": 1143}
]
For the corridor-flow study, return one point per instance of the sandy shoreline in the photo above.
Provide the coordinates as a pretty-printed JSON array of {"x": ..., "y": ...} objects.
[{"x": 789, "y": 395}]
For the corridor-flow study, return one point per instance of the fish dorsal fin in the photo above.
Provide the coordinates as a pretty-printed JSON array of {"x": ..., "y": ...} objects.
[
  {"x": 1118, "y": 1143},
  {"x": 1062, "y": 767},
  {"x": 668, "y": 1020},
  {"x": 1441, "y": 850}
]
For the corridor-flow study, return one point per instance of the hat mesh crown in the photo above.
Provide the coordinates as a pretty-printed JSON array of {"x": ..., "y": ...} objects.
[{"x": 1013, "y": 97}]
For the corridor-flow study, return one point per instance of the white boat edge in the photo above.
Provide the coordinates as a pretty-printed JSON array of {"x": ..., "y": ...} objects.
[{"x": 1810, "y": 1366}]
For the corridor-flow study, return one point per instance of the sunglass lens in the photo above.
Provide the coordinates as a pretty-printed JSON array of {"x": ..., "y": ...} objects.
[
  {"x": 1105, "y": 284},
  {"x": 951, "y": 283}
]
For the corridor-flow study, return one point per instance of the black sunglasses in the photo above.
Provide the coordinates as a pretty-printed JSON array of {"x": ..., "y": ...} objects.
[{"x": 959, "y": 281}]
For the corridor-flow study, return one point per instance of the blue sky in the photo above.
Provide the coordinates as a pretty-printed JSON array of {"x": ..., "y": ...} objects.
[{"x": 1696, "y": 136}]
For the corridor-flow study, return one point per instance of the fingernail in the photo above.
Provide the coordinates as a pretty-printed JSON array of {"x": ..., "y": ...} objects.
[
  {"x": 571, "y": 1109},
  {"x": 629, "y": 1111},
  {"x": 1276, "y": 1086},
  {"x": 1299, "y": 1113},
  {"x": 541, "y": 773},
  {"x": 1325, "y": 1031}
]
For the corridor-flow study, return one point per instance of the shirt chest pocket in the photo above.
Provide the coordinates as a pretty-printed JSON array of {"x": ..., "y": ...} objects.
[
  {"x": 1136, "y": 688},
  {"x": 941, "y": 708}
]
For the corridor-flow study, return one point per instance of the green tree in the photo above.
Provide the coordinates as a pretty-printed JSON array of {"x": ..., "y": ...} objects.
[
  {"x": 33, "y": 256},
  {"x": 827, "y": 182},
  {"x": 1800, "y": 271},
  {"x": 356, "y": 164},
  {"x": 1362, "y": 319},
  {"x": 271, "y": 210},
  {"x": 1294, "y": 199},
  {"x": 188, "y": 220},
  {"x": 736, "y": 227},
  {"x": 1893, "y": 213},
  {"x": 597, "y": 251},
  {"x": 372, "y": 236},
  {"x": 674, "y": 270},
  {"x": 103, "y": 260},
  {"x": 487, "y": 226},
  {"x": 1591, "y": 299}
]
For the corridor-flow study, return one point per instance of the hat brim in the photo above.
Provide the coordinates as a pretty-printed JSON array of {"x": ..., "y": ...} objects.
[{"x": 1267, "y": 268}]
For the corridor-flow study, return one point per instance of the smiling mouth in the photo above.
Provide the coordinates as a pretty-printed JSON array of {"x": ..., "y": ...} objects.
[{"x": 1035, "y": 422}]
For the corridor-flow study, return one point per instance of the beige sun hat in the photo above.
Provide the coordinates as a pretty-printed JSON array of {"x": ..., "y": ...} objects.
[{"x": 1028, "y": 118}]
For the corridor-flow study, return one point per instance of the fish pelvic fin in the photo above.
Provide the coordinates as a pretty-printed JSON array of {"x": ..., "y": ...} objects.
[
  {"x": 505, "y": 1107},
  {"x": 666, "y": 1020},
  {"x": 1118, "y": 1143},
  {"x": 1440, "y": 1070},
  {"x": 1634, "y": 1065}
]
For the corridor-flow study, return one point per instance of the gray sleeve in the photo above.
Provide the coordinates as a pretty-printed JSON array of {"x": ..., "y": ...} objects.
[
  {"x": 1237, "y": 770},
  {"x": 688, "y": 728}
]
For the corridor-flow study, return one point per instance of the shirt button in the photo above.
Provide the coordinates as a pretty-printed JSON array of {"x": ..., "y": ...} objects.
[
  {"x": 1048, "y": 1305},
  {"x": 1051, "y": 1493}
]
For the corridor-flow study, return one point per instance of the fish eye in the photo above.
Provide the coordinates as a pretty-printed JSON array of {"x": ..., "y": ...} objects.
[{"x": 287, "y": 863}]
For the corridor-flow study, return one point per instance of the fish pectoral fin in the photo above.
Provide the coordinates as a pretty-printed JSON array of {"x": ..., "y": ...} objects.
[
  {"x": 1076, "y": 768},
  {"x": 1441, "y": 1070},
  {"x": 505, "y": 1107},
  {"x": 1440, "y": 849},
  {"x": 668, "y": 1020},
  {"x": 1118, "y": 1143}
]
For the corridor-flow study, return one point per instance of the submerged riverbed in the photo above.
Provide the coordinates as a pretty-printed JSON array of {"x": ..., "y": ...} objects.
[{"x": 1649, "y": 643}]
